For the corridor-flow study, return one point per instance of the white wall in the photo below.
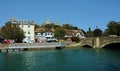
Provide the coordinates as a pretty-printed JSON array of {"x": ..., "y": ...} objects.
[{"x": 27, "y": 29}]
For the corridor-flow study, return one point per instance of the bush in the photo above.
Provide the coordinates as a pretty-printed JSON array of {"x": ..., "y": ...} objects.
[{"x": 76, "y": 39}]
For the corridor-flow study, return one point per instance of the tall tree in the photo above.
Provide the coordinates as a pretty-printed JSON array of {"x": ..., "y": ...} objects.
[
  {"x": 113, "y": 28},
  {"x": 12, "y": 31}
]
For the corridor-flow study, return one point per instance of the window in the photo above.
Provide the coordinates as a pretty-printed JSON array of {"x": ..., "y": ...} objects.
[
  {"x": 48, "y": 33},
  {"x": 29, "y": 38},
  {"x": 45, "y": 34},
  {"x": 51, "y": 34},
  {"x": 28, "y": 31}
]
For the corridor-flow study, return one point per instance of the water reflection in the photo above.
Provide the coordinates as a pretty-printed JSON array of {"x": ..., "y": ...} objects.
[
  {"x": 1, "y": 61},
  {"x": 72, "y": 59}
]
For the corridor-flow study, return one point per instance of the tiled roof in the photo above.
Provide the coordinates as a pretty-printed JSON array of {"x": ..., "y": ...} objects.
[{"x": 24, "y": 22}]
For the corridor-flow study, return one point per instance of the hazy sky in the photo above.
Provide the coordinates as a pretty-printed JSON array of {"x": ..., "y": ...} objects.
[{"x": 80, "y": 13}]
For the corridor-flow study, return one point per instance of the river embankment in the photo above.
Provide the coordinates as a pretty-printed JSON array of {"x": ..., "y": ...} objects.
[
  {"x": 36, "y": 46},
  {"x": 32, "y": 46},
  {"x": 72, "y": 45}
]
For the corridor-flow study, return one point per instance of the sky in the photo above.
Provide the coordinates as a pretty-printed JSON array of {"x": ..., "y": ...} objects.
[{"x": 80, "y": 13}]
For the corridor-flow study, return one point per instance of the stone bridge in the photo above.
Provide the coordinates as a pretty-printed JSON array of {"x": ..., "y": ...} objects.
[{"x": 99, "y": 42}]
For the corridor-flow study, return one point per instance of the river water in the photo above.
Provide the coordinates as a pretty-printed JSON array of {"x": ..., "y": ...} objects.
[{"x": 72, "y": 59}]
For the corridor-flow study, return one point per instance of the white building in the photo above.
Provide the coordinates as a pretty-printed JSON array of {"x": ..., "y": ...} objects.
[
  {"x": 45, "y": 36},
  {"x": 28, "y": 28}
]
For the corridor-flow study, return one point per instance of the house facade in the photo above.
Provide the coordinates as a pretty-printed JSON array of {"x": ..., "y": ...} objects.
[
  {"x": 42, "y": 35},
  {"x": 73, "y": 33},
  {"x": 28, "y": 28}
]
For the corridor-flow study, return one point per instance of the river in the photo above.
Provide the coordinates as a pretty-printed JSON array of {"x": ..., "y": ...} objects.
[{"x": 70, "y": 59}]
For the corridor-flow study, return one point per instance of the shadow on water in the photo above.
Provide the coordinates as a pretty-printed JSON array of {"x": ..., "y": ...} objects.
[
  {"x": 87, "y": 46},
  {"x": 111, "y": 67}
]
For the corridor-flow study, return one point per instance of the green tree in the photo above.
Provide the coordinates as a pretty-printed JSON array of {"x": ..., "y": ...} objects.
[
  {"x": 113, "y": 28},
  {"x": 12, "y": 31},
  {"x": 76, "y": 39},
  {"x": 68, "y": 26},
  {"x": 55, "y": 26},
  {"x": 50, "y": 26},
  {"x": 47, "y": 26},
  {"x": 89, "y": 33},
  {"x": 97, "y": 32},
  {"x": 36, "y": 26},
  {"x": 59, "y": 33}
]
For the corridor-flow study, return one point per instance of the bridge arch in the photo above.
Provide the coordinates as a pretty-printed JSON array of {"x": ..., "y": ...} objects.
[
  {"x": 87, "y": 45},
  {"x": 111, "y": 44}
]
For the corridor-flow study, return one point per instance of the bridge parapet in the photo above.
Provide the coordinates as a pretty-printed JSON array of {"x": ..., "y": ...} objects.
[
  {"x": 108, "y": 40},
  {"x": 99, "y": 42},
  {"x": 87, "y": 41}
]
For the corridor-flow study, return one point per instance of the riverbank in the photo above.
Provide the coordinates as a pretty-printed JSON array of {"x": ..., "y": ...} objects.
[
  {"x": 27, "y": 46},
  {"x": 36, "y": 46}
]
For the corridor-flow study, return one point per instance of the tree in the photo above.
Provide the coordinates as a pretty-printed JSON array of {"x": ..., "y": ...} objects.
[
  {"x": 55, "y": 26},
  {"x": 68, "y": 26},
  {"x": 76, "y": 39},
  {"x": 47, "y": 26},
  {"x": 97, "y": 32},
  {"x": 113, "y": 28},
  {"x": 12, "y": 31},
  {"x": 50, "y": 26},
  {"x": 59, "y": 33},
  {"x": 89, "y": 33},
  {"x": 36, "y": 26}
]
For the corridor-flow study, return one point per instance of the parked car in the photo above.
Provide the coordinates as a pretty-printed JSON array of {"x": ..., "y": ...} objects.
[{"x": 52, "y": 40}]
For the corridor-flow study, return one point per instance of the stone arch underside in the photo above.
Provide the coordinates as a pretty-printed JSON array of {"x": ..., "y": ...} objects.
[
  {"x": 87, "y": 45},
  {"x": 112, "y": 44}
]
